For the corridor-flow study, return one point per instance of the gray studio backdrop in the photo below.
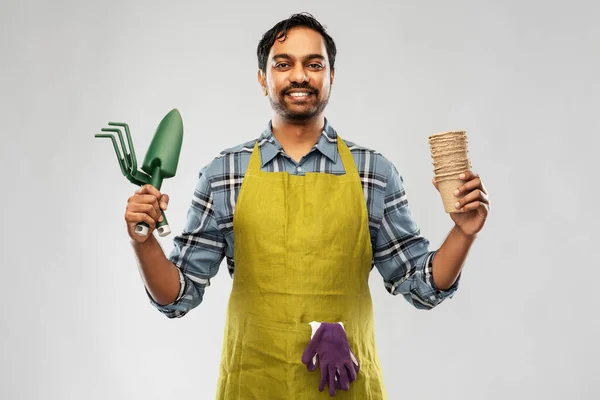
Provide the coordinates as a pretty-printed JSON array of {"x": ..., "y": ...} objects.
[{"x": 520, "y": 76}]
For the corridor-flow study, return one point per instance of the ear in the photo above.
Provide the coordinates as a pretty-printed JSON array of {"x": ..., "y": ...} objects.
[
  {"x": 262, "y": 80},
  {"x": 331, "y": 76}
]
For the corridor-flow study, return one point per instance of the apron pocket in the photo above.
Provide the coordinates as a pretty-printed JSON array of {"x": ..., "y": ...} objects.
[
  {"x": 264, "y": 364},
  {"x": 271, "y": 366}
]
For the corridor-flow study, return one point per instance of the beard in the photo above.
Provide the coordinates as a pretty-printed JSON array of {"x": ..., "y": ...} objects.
[{"x": 307, "y": 112}]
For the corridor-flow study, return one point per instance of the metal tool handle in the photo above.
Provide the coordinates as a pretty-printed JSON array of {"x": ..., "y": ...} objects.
[{"x": 162, "y": 227}]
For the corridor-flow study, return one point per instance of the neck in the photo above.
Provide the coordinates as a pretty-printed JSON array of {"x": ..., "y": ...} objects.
[{"x": 297, "y": 137}]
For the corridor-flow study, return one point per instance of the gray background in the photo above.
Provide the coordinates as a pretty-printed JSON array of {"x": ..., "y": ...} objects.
[{"x": 520, "y": 76}]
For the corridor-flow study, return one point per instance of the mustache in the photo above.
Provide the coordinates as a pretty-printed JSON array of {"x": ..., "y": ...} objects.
[{"x": 299, "y": 86}]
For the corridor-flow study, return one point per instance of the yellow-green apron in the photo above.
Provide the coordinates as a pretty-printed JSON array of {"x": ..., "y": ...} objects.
[{"x": 302, "y": 253}]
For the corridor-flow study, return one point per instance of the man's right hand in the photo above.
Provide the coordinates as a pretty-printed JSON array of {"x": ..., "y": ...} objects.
[{"x": 145, "y": 206}]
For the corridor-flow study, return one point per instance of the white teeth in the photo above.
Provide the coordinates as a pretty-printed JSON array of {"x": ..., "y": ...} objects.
[{"x": 299, "y": 94}]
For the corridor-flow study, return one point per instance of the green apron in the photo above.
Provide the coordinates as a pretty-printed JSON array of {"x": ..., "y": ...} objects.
[{"x": 302, "y": 253}]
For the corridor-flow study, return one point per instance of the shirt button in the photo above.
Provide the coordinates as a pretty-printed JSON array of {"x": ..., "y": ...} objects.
[{"x": 299, "y": 169}]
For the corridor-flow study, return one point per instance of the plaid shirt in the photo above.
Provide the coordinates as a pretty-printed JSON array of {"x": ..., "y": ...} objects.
[{"x": 400, "y": 253}]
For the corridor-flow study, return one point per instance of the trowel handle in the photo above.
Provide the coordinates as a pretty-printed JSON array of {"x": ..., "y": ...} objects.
[{"x": 162, "y": 227}]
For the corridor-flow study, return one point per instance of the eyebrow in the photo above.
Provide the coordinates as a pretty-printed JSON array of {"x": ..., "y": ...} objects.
[{"x": 307, "y": 57}]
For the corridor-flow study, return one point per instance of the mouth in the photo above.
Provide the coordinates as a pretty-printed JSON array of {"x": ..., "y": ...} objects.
[{"x": 299, "y": 94}]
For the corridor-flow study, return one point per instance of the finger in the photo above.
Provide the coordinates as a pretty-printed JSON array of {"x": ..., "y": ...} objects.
[
  {"x": 311, "y": 349},
  {"x": 323, "y": 378},
  {"x": 475, "y": 195},
  {"x": 149, "y": 189},
  {"x": 475, "y": 183},
  {"x": 435, "y": 184},
  {"x": 468, "y": 175},
  {"x": 150, "y": 209},
  {"x": 308, "y": 357},
  {"x": 135, "y": 218},
  {"x": 483, "y": 189},
  {"x": 312, "y": 365},
  {"x": 143, "y": 198},
  {"x": 164, "y": 201},
  {"x": 344, "y": 379},
  {"x": 331, "y": 371},
  {"x": 468, "y": 186},
  {"x": 351, "y": 372},
  {"x": 310, "y": 352},
  {"x": 150, "y": 199},
  {"x": 476, "y": 205}
]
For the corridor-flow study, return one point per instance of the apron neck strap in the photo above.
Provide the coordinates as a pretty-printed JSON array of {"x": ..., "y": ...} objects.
[
  {"x": 347, "y": 158},
  {"x": 254, "y": 164}
]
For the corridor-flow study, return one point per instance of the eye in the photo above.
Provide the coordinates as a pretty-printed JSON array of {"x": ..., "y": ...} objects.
[
  {"x": 281, "y": 65},
  {"x": 315, "y": 65}
]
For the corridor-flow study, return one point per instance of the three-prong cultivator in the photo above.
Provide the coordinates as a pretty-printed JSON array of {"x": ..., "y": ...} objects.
[{"x": 160, "y": 162}]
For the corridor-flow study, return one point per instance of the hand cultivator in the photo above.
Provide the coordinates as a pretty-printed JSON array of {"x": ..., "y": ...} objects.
[{"x": 160, "y": 162}]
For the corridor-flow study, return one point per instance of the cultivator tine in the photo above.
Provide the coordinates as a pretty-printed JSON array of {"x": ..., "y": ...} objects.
[
  {"x": 125, "y": 161},
  {"x": 121, "y": 160},
  {"x": 133, "y": 158},
  {"x": 126, "y": 154}
]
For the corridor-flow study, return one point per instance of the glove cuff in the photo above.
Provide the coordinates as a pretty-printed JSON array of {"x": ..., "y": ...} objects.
[{"x": 315, "y": 326}]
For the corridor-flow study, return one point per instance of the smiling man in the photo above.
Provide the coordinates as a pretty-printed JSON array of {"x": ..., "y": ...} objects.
[
  {"x": 297, "y": 93},
  {"x": 301, "y": 216}
]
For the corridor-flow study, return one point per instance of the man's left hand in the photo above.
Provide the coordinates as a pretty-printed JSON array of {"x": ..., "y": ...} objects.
[{"x": 475, "y": 204}]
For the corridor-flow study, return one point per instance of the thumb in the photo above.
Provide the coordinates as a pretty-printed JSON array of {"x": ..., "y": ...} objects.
[
  {"x": 311, "y": 349},
  {"x": 164, "y": 201},
  {"x": 435, "y": 183},
  {"x": 309, "y": 353}
]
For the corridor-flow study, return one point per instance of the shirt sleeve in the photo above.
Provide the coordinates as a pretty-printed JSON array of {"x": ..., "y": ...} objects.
[
  {"x": 402, "y": 255},
  {"x": 197, "y": 252}
]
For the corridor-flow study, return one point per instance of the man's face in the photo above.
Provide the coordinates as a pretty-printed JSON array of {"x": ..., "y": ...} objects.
[{"x": 298, "y": 76}]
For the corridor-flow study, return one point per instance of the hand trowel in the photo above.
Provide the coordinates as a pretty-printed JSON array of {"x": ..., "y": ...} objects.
[{"x": 160, "y": 162}]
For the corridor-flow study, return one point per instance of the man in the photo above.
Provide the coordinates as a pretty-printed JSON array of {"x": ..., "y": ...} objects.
[{"x": 311, "y": 215}]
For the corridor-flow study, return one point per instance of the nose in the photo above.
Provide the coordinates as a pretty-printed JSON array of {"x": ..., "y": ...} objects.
[{"x": 298, "y": 74}]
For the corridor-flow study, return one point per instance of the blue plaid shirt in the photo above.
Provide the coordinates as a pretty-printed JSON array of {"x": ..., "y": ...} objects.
[{"x": 400, "y": 253}]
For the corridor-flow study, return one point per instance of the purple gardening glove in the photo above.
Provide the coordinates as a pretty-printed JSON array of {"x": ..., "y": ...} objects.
[{"x": 330, "y": 348}]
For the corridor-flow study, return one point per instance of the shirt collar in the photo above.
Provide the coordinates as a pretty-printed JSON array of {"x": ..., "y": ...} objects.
[{"x": 270, "y": 147}]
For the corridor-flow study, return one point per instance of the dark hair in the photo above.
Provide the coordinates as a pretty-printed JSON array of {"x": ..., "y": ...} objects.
[{"x": 280, "y": 30}]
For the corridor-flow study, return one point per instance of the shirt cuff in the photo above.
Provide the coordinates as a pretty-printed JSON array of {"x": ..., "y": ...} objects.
[
  {"x": 164, "y": 307},
  {"x": 440, "y": 294}
]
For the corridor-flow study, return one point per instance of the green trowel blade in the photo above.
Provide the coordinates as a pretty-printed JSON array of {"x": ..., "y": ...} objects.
[{"x": 163, "y": 152}]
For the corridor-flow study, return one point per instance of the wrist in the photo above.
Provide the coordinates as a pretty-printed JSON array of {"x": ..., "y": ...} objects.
[
  {"x": 469, "y": 237},
  {"x": 139, "y": 241}
]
